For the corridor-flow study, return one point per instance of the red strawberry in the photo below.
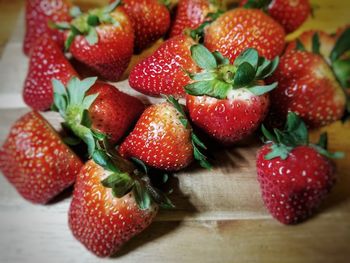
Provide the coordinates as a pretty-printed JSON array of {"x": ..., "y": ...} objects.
[
  {"x": 113, "y": 112},
  {"x": 239, "y": 29},
  {"x": 102, "y": 39},
  {"x": 326, "y": 41},
  {"x": 163, "y": 139},
  {"x": 36, "y": 161},
  {"x": 290, "y": 14},
  {"x": 306, "y": 86},
  {"x": 38, "y": 14},
  {"x": 101, "y": 221},
  {"x": 294, "y": 175},
  {"x": 226, "y": 101},
  {"x": 191, "y": 14},
  {"x": 150, "y": 20},
  {"x": 164, "y": 71},
  {"x": 46, "y": 63}
]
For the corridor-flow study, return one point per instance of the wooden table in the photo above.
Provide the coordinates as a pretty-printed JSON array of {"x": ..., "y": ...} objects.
[{"x": 219, "y": 216}]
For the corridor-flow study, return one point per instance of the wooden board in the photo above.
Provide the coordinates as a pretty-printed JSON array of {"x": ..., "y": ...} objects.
[{"x": 219, "y": 217}]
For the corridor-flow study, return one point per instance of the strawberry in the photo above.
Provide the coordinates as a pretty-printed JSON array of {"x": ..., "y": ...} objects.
[
  {"x": 191, "y": 14},
  {"x": 290, "y": 14},
  {"x": 46, "y": 62},
  {"x": 295, "y": 176},
  {"x": 102, "y": 39},
  {"x": 38, "y": 13},
  {"x": 36, "y": 161},
  {"x": 113, "y": 112},
  {"x": 164, "y": 71},
  {"x": 239, "y": 29},
  {"x": 229, "y": 101},
  {"x": 93, "y": 109},
  {"x": 304, "y": 76},
  {"x": 101, "y": 218},
  {"x": 163, "y": 139},
  {"x": 150, "y": 20}
]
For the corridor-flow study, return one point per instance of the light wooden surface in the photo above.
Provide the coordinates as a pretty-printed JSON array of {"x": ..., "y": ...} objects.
[{"x": 219, "y": 216}]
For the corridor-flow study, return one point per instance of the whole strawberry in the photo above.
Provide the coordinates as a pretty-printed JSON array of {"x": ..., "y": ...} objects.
[
  {"x": 294, "y": 175},
  {"x": 191, "y": 14},
  {"x": 102, "y": 39},
  {"x": 108, "y": 208},
  {"x": 290, "y": 14},
  {"x": 164, "y": 72},
  {"x": 38, "y": 14},
  {"x": 93, "y": 109},
  {"x": 46, "y": 62},
  {"x": 150, "y": 20},
  {"x": 229, "y": 101},
  {"x": 308, "y": 87},
  {"x": 163, "y": 139},
  {"x": 239, "y": 29},
  {"x": 113, "y": 112},
  {"x": 36, "y": 161}
]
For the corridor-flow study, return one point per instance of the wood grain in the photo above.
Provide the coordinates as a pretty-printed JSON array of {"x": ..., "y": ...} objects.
[{"x": 219, "y": 216}]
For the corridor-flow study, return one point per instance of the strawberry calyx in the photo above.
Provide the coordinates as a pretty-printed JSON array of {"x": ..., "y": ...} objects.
[
  {"x": 218, "y": 77},
  {"x": 197, "y": 144},
  {"x": 258, "y": 4},
  {"x": 122, "y": 175},
  {"x": 85, "y": 23},
  {"x": 294, "y": 134}
]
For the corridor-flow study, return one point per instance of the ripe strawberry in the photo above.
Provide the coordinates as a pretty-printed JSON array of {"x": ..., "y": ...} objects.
[
  {"x": 96, "y": 109},
  {"x": 306, "y": 86},
  {"x": 101, "y": 220},
  {"x": 227, "y": 101},
  {"x": 164, "y": 71},
  {"x": 239, "y": 29},
  {"x": 38, "y": 14},
  {"x": 113, "y": 112},
  {"x": 36, "y": 161},
  {"x": 191, "y": 14},
  {"x": 163, "y": 139},
  {"x": 290, "y": 14},
  {"x": 150, "y": 20},
  {"x": 46, "y": 62},
  {"x": 307, "y": 39},
  {"x": 102, "y": 39},
  {"x": 294, "y": 175}
]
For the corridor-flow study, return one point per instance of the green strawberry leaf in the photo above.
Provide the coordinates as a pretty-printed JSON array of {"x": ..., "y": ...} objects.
[
  {"x": 260, "y": 90},
  {"x": 249, "y": 56},
  {"x": 299, "y": 46},
  {"x": 341, "y": 69},
  {"x": 60, "y": 103},
  {"x": 220, "y": 59},
  {"x": 203, "y": 57},
  {"x": 316, "y": 44},
  {"x": 75, "y": 11},
  {"x": 197, "y": 141},
  {"x": 111, "y": 7},
  {"x": 71, "y": 141},
  {"x": 267, "y": 68},
  {"x": 323, "y": 141},
  {"x": 278, "y": 150},
  {"x": 324, "y": 152},
  {"x": 140, "y": 164},
  {"x": 89, "y": 100},
  {"x": 86, "y": 120},
  {"x": 297, "y": 129},
  {"x": 58, "y": 87},
  {"x": 142, "y": 197},
  {"x": 92, "y": 37},
  {"x": 341, "y": 46},
  {"x": 257, "y": 4},
  {"x": 70, "y": 38},
  {"x": 205, "y": 75},
  {"x": 102, "y": 159},
  {"x": 268, "y": 134},
  {"x": 99, "y": 135},
  {"x": 160, "y": 198},
  {"x": 121, "y": 184},
  {"x": 245, "y": 74},
  {"x": 201, "y": 158}
]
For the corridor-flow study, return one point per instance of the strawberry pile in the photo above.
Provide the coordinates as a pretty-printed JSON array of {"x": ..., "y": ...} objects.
[{"x": 233, "y": 69}]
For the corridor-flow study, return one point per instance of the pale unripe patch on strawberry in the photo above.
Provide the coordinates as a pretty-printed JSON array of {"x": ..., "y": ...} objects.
[{"x": 240, "y": 94}]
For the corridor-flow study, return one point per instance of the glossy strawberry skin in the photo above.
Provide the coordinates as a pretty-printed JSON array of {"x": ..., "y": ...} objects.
[
  {"x": 150, "y": 20},
  {"x": 327, "y": 43},
  {"x": 113, "y": 112},
  {"x": 306, "y": 86},
  {"x": 159, "y": 139},
  {"x": 163, "y": 72},
  {"x": 38, "y": 14},
  {"x": 293, "y": 189},
  {"x": 190, "y": 14},
  {"x": 100, "y": 221},
  {"x": 36, "y": 161},
  {"x": 239, "y": 29},
  {"x": 47, "y": 62},
  {"x": 111, "y": 55},
  {"x": 228, "y": 120}
]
